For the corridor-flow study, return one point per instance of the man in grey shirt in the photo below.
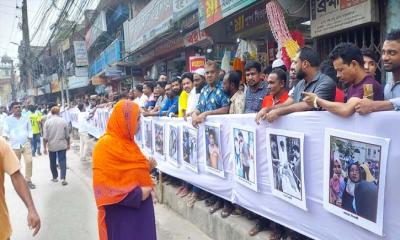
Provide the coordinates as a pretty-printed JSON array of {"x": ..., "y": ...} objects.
[
  {"x": 307, "y": 69},
  {"x": 56, "y": 140}
]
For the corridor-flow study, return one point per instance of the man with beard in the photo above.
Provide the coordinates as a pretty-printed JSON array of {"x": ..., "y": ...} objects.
[
  {"x": 391, "y": 63},
  {"x": 171, "y": 104},
  {"x": 187, "y": 85},
  {"x": 349, "y": 64},
  {"x": 257, "y": 88},
  {"x": 199, "y": 82},
  {"x": 307, "y": 63},
  {"x": 231, "y": 86}
]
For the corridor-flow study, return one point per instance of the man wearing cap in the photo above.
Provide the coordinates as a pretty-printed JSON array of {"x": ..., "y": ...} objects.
[
  {"x": 278, "y": 63},
  {"x": 199, "y": 81}
]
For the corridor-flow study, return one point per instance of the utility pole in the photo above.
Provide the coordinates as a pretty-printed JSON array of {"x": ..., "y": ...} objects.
[
  {"x": 26, "y": 46},
  {"x": 61, "y": 75}
]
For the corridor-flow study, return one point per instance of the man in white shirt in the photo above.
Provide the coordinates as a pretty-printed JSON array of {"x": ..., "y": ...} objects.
[
  {"x": 140, "y": 98},
  {"x": 83, "y": 132},
  {"x": 18, "y": 131},
  {"x": 199, "y": 81}
]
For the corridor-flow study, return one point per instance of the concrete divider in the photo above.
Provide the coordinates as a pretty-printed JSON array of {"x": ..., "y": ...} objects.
[{"x": 216, "y": 227}]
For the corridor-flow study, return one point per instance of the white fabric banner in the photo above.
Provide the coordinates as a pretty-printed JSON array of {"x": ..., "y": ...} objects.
[{"x": 316, "y": 222}]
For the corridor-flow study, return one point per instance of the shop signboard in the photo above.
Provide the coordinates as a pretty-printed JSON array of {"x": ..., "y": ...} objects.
[
  {"x": 81, "y": 57},
  {"x": 181, "y": 8},
  {"x": 55, "y": 86},
  {"x": 99, "y": 27},
  {"x": 248, "y": 19},
  {"x": 81, "y": 71},
  {"x": 329, "y": 16},
  {"x": 161, "y": 49},
  {"x": 98, "y": 80},
  {"x": 195, "y": 37},
  {"x": 77, "y": 82},
  {"x": 153, "y": 20},
  {"x": 211, "y": 11},
  {"x": 196, "y": 62}
]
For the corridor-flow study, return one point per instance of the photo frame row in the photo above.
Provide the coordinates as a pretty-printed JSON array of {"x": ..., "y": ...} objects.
[{"x": 354, "y": 165}]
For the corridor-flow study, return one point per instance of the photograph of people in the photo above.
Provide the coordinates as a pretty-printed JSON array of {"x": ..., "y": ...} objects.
[
  {"x": 148, "y": 135},
  {"x": 189, "y": 148},
  {"x": 245, "y": 157},
  {"x": 285, "y": 149},
  {"x": 214, "y": 162},
  {"x": 287, "y": 173},
  {"x": 173, "y": 144},
  {"x": 159, "y": 139},
  {"x": 352, "y": 186}
]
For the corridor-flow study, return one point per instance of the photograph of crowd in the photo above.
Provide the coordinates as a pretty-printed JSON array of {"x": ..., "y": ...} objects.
[
  {"x": 159, "y": 141},
  {"x": 214, "y": 161},
  {"x": 355, "y": 178},
  {"x": 148, "y": 136},
  {"x": 244, "y": 149},
  {"x": 172, "y": 154},
  {"x": 285, "y": 148},
  {"x": 189, "y": 147}
]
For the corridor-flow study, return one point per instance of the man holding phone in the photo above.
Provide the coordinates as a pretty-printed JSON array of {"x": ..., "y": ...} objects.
[{"x": 307, "y": 68}]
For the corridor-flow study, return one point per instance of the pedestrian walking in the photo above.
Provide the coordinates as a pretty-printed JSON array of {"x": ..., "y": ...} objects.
[
  {"x": 121, "y": 179},
  {"x": 56, "y": 142},
  {"x": 18, "y": 131},
  {"x": 35, "y": 119},
  {"x": 9, "y": 164},
  {"x": 83, "y": 131}
]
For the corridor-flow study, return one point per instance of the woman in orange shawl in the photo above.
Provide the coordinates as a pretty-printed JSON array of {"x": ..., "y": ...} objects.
[{"x": 121, "y": 179}]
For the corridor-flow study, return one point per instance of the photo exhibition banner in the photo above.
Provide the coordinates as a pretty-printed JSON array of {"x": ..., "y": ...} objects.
[{"x": 341, "y": 174}]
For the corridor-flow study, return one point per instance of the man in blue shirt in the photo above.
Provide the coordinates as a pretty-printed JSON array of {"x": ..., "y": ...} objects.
[
  {"x": 213, "y": 100},
  {"x": 18, "y": 131},
  {"x": 170, "y": 106}
]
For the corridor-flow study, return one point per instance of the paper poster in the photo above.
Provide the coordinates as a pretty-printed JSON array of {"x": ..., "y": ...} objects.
[
  {"x": 147, "y": 136},
  {"x": 354, "y": 177},
  {"x": 172, "y": 144},
  {"x": 212, "y": 141},
  {"x": 286, "y": 165},
  {"x": 159, "y": 140},
  {"x": 244, "y": 149},
  {"x": 189, "y": 147}
]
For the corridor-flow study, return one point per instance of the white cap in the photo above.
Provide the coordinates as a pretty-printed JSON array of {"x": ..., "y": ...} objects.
[
  {"x": 277, "y": 63},
  {"x": 200, "y": 71}
]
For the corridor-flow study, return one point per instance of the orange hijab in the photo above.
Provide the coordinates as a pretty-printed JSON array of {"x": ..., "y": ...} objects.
[{"x": 119, "y": 166}]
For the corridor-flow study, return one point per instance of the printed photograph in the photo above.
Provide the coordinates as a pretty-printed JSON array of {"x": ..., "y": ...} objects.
[
  {"x": 245, "y": 156},
  {"x": 159, "y": 141},
  {"x": 173, "y": 144},
  {"x": 214, "y": 161},
  {"x": 285, "y": 149},
  {"x": 148, "y": 135},
  {"x": 189, "y": 147},
  {"x": 354, "y": 177}
]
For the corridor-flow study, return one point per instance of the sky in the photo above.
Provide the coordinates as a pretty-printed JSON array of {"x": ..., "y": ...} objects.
[{"x": 10, "y": 19}]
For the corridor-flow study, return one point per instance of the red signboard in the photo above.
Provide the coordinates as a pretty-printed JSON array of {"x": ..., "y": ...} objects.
[
  {"x": 196, "y": 62},
  {"x": 195, "y": 36}
]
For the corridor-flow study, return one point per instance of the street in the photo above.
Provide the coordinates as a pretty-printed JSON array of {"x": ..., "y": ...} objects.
[{"x": 69, "y": 212}]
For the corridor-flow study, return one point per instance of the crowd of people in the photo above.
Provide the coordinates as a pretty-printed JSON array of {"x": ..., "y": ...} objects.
[{"x": 343, "y": 84}]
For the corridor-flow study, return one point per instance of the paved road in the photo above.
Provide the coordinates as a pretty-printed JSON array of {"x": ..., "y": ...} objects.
[{"x": 69, "y": 212}]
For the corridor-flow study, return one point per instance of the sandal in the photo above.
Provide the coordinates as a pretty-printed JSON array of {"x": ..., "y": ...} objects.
[
  {"x": 218, "y": 205},
  {"x": 180, "y": 189},
  {"x": 260, "y": 226},
  {"x": 227, "y": 210},
  {"x": 211, "y": 201},
  {"x": 184, "y": 193},
  {"x": 190, "y": 203}
]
